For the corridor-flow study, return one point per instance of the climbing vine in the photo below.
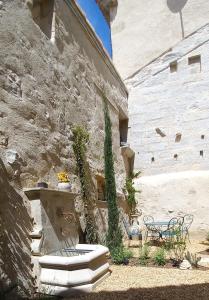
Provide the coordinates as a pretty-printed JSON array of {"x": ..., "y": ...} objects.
[
  {"x": 131, "y": 191},
  {"x": 114, "y": 235},
  {"x": 80, "y": 140}
]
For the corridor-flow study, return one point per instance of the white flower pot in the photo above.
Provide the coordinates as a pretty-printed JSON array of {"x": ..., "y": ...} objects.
[
  {"x": 66, "y": 186},
  {"x": 134, "y": 228}
]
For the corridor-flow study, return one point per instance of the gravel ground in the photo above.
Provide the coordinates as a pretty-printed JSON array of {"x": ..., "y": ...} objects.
[
  {"x": 143, "y": 283},
  {"x": 147, "y": 283}
]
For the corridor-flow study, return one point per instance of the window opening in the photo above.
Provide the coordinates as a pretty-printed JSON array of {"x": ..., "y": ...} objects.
[
  {"x": 44, "y": 16},
  {"x": 173, "y": 66}
]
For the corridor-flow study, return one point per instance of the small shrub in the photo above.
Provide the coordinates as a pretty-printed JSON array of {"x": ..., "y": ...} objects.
[
  {"x": 178, "y": 246},
  {"x": 144, "y": 255},
  {"x": 121, "y": 255},
  {"x": 80, "y": 141},
  {"x": 207, "y": 237},
  {"x": 160, "y": 257},
  {"x": 193, "y": 259},
  {"x": 168, "y": 245}
]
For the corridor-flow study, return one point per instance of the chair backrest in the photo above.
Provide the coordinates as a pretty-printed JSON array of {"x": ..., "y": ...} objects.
[
  {"x": 172, "y": 222},
  {"x": 148, "y": 219},
  {"x": 188, "y": 219},
  {"x": 175, "y": 225}
]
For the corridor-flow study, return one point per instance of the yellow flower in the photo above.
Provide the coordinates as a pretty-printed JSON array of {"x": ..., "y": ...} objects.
[{"x": 62, "y": 177}]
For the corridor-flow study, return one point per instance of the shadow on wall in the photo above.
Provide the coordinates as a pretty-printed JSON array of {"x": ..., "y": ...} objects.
[
  {"x": 15, "y": 224},
  {"x": 176, "y": 6},
  {"x": 183, "y": 292}
]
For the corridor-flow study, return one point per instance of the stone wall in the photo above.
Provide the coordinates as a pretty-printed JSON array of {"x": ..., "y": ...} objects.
[
  {"x": 143, "y": 30},
  {"x": 46, "y": 88},
  {"x": 168, "y": 195},
  {"x": 169, "y": 125}
]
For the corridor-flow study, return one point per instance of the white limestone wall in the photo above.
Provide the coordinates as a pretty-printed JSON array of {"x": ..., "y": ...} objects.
[
  {"x": 168, "y": 195},
  {"x": 144, "y": 29},
  {"x": 163, "y": 104},
  {"x": 174, "y": 103}
]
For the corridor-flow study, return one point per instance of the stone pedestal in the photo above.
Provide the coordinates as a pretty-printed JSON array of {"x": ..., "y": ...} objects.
[{"x": 55, "y": 225}]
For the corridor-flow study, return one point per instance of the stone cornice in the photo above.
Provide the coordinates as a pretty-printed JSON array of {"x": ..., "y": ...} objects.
[{"x": 95, "y": 41}]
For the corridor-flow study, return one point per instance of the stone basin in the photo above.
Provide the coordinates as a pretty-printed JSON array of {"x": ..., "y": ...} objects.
[{"x": 77, "y": 270}]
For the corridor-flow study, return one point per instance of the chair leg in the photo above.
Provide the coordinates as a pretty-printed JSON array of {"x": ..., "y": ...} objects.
[
  {"x": 145, "y": 236},
  {"x": 187, "y": 234},
  {"x": 140, "y": 241}
]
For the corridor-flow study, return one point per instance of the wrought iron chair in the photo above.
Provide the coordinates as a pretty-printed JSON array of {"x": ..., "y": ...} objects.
[
  {"x": 150, "y": 229},
  {"x": 148, "y": 219},
  {"x": 174, "y": 229},
  {"x": 175, "y": 240},
  {"x": 188, "y": 219}
]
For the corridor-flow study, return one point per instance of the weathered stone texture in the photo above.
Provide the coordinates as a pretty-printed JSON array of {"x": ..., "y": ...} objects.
[
  {"x": 143, "y": 30},
  {"x": 45, "y": 90},
  {"x": 169, "y": 125}
]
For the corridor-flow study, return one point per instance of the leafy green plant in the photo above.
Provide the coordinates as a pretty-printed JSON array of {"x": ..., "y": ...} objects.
[
  {"x": 144, "y": 255},
  {"x": 160, "y": 257},
  {"x": 121, "y": 255},
  {"x": 80, "y": 140},
  {"x": 129, "y": 186},
  {"x": 178, "y": 246},
  {"x": 168, "y": 245},
  {"x": 114, "y": 235},
  {"x": 193, "y": 259}
]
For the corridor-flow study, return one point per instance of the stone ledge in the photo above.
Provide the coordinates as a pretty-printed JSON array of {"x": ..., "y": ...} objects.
[{"x": 40, "y": 193}]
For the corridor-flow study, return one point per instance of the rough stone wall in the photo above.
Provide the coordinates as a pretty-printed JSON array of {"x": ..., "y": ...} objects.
[
  {"x": 169, "y": 125},
  {"x": 144, "y": 29},
  {"x": 46, "y": 89},
  {"x": 15, "y": 223}
]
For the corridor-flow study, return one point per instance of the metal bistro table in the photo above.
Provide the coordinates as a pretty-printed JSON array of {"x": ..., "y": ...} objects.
[{"x": 156, "y": 229}]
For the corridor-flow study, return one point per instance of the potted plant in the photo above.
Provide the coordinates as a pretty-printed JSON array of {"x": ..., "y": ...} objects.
[{"x": 63, "y": 181}]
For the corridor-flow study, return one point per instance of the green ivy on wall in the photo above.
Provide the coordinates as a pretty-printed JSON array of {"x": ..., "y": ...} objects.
[
  {"x": 80, "y": 140},
  {"x": 131, "y": 197}
]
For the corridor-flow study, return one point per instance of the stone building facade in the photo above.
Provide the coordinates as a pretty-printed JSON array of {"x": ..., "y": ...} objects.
[
  {"x": 54, "y": 73},
  {"x": 151, "y": 27},
  {"x": 169, "y": 125}
]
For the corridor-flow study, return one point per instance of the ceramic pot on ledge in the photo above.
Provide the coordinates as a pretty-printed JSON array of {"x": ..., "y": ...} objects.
[
  {"x": 64, "y": 186},
  {"x": 134, "y": 229}
]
